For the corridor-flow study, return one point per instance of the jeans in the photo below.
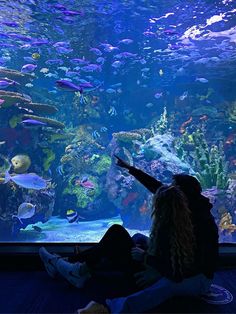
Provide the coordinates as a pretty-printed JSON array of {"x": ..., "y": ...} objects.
[{"x": 163, "y": 289}]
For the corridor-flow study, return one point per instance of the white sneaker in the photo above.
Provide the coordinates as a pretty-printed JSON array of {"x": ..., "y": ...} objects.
[
  {"x": 49, "y": 260},
  {"x": 93, "y": 307},
  {"x": 71, "y": 272}
]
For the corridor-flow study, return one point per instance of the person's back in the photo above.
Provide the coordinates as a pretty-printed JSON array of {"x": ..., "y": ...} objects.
[{"x": 205, "y": 228}]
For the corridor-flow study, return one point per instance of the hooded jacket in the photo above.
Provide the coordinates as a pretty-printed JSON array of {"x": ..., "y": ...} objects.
[{"x": 205, "y": 229}]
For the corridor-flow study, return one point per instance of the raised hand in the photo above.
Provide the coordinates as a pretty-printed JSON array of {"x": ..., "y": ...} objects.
[{"x": 121, "y": 163}]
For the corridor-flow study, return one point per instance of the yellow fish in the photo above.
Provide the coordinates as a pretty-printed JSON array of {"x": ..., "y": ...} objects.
[
  {"x": 72, "y": 216},
  {"x": 35, "y": 55},
  {"x": 70, "y": 211}
]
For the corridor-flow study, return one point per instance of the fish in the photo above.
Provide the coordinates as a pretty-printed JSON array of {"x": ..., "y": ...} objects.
[
  {"x": 44, "y": 70},
  {"x": 130, "y": 198},
  {"x": 110, "y": 90},
  {"x": 149, "y": 105},
  {"x": 73, "y": 216},
  {"x": 126, "y": 41},
  {"x": 182, "y": 128},
  {"x": 25, "y": 210},
  {"x": 84, "y": 182},
  {"x": 125, "y": 55},
  {"x": 100, "y": 60},
  {"x": 27, "y": 181},
  {"x": 35, "y": 55},
  {"x": 11, "y": 24},
  {"x": 79, "y": 61},
  {"x": 29, "y": 85},
  {"x": 183, "y": 96},
  {"x": 54, "y": 61},
  {"x": 68, "y": 86},
  {"x": 72, "y": 12},
  {"x": 201, "y": 80},
  {"x": 4, "y": 83},
  {"x": 64, "y": 50},
  {"x": 20, "y": 163},
  {"x": 92, "y": 67},
  {"x": 96, "y": 51},
  {"x": 32, "y": 122},
  {"x": 112, "y": 111},
  {"x": 117, "y": 64},
  {"x": 28, "y": 68},
  {"x": 158, "y": 95}
]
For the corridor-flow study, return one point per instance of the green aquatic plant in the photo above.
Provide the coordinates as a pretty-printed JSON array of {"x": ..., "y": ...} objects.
[
  {"x": 13, "y": 122},
  {"x": 208, "y": 161},
  {"x": 102, "y": 164},
  {"x": 48, "y": 159},
  {"x": 161, "y": 125}
]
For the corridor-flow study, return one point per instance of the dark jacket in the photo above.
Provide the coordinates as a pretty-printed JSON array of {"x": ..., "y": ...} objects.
[{"x": 206, "y": 233}]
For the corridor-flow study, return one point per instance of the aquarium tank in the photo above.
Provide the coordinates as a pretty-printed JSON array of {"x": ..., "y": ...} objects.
[{"x": 152, "y": 82}]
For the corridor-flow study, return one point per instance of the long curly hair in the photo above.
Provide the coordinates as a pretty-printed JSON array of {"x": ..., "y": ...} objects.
[{"x": 170, "y": 211}]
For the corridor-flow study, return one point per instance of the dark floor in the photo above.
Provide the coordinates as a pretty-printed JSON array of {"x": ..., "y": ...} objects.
[{"x": 34, "y": 292}]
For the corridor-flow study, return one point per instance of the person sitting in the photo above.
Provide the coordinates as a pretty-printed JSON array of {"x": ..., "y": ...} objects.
[
  {"x": 172, "y": 258},
  {"x": 199, "y": 205}
]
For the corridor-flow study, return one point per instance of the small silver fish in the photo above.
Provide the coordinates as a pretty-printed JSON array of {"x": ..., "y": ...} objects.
[{"x": 25, "y": 210}]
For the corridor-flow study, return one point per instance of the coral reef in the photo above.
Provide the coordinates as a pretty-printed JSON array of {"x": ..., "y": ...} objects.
[
  {"x": 15, "y": 75},
  {"x": 231, "y": 112},
  {"x": 126, "y": 137},
  {"x": 207, "y": 160},
  {"x": 102, "y": 165},
  {"x": 40, "y": 108},
  {"x": 156, "y": 156},
  {"x": 12, "y": 99},
  {"x": 48, "y": 159},
  {"x": 160, "y": 126},
  {"x": 11, "y": 198},
  {"x": 50, "y": 122}
]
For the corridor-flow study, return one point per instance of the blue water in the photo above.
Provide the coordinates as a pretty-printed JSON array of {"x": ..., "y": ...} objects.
[{"x": 79, "y": 81}]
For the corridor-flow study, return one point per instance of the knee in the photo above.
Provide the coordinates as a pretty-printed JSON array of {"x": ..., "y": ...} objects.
[{"x": 117, "y": 228}]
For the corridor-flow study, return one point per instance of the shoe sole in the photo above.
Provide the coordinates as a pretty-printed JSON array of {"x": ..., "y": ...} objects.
[
  {"x": 75, "y": 280},
  {"x": 50, "y": 268}
]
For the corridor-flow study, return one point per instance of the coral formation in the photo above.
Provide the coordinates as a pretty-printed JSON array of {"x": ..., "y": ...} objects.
[
  {"x": 102, "y": 165},
  {"x": 126, "y": 137},
  {"x": 207, "y": 160},
  {"x": 231, "y": 112},
  {"x": 40, "y": 108},
  {"x": 48, "y": 159},
  {"x": 14, "y": 120},
  {"x": 161, "y": 125},
  {"x": 12, "y": 99},
  {"x": 50, "y": 122}
]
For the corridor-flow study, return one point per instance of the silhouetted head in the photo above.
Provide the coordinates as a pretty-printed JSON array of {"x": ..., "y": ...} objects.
[
  {"x": 188, "y": 184},
  {"x": 169, "y": 200}
]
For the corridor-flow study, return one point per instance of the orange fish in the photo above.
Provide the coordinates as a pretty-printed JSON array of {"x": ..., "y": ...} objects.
[
  {"x": 143, "y": 209},
  {"x": 130, "y": 198},
  {"x": 230, "y": 139},
  {"x": 203, "y": 118},
  {"x": 184, "y": 124}
]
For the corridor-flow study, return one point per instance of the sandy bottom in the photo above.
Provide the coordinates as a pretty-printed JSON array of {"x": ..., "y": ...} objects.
[{"x": 60, "y": 230}]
